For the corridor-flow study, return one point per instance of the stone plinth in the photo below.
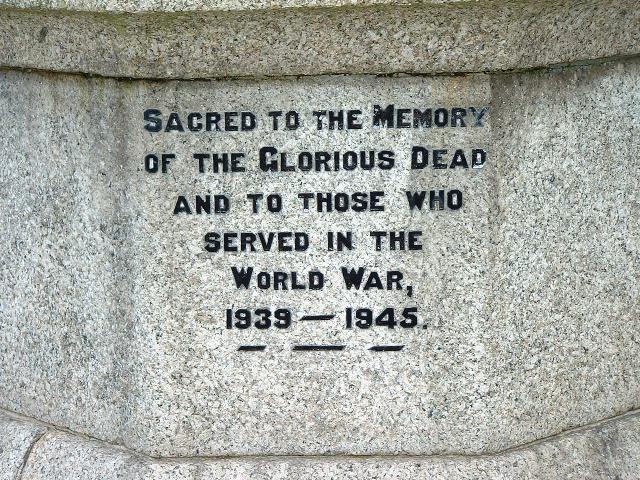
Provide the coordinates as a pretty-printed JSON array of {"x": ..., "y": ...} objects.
[{"x": 514, "y": 348}]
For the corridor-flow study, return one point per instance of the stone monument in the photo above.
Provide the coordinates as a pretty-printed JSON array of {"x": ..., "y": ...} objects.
[{"x": 336, "y": 239}]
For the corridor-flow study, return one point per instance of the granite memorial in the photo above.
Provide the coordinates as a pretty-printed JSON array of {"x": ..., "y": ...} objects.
[{"x": 319, "y": 239}]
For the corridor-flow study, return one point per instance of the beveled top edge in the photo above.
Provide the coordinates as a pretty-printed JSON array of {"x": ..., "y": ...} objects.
[
  {"x": 141, "y": 6},
  {"x": 466, "y": 37}
]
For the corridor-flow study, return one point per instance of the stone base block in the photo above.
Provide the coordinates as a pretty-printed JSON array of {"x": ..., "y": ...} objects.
[{"x": 606, "y": 450}]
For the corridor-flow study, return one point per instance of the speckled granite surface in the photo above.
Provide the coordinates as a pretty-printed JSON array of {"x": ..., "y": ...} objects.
[
  {"x": 421, "y": 39},
  {"x": 136, "y": 6},
  {"x": 111, "y": 311},
  {"x": 529, "y": 294},
  {"x": 600, "y": 452}
]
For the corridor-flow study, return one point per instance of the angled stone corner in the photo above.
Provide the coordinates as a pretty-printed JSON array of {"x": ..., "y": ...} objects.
[{"x": 17, "y": 439}]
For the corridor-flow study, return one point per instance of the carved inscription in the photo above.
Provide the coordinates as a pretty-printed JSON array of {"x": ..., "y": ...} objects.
[{"x": 290, "y": 158}]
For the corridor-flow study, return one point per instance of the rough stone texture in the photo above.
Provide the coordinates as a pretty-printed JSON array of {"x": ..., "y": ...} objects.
[
  {"x": 565, "y": 286},
  {"x": 63, "y": 332},
  {"x": 604, "y": 452},
  {"x": 429, "y": 38},
  {"x": 16, "y": 440},
  {"x": 200, "y": 391},
  {"x": 531, "y": 290},
  {"x": 136, "y": 6}
]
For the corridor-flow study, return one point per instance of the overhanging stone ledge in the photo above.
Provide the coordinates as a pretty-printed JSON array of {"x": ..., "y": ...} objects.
[{"x": 419, "y": 38}]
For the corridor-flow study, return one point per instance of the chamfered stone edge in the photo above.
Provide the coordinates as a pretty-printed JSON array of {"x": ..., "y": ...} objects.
[
  {"x": 423, "y": 38},
  {"x": 609, "y": 449}
]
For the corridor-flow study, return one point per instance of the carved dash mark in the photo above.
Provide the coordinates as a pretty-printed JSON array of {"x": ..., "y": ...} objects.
[
  {"x": 317, "y": 348},
  {"x": 251, "y": 348},
  {"x": 386, "y": 348},
  {"x": 316, "y": 318}
]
